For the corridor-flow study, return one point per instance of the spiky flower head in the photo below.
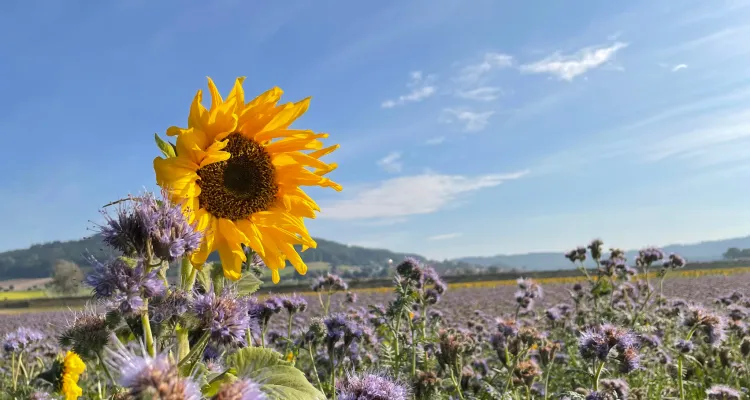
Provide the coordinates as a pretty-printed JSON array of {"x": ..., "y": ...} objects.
[
  {"x": 316, "y": 331},
  {"x": 21, "y": 338},
  {"x": 371, "y": 387},
  {"x": 454, "y": 345},
  {"x": 123, "y": 285},
  {"x": 649, "y": 255},
  {"x": 170, "y": 306},
  {"x": 618, "y": 387},
  {"x": 148, "y": 224},
  {"x": 150, "y": 378},
  {"x": 722, "y": 392},
  {"x": 243, "y": 389},
  {"x": 595, "y": 247},
  {"x": 593, "y": 344},
  {"x": 577, "y": 254},
  {"x": 87, "y": 335},
  {"x": 225, "y": 316}
]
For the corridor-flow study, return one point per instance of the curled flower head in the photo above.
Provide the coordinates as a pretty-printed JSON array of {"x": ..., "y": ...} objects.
[
  {"x": 595, "y": 247},
  {"x": 225, "y": 316},
  {"x": 712, "y": 325},
  {"x": 618, "y": 387},
  {"x": 170, "y": 306},
  {"x": 123, "y": 285},
  {"x": 351, "y": 297},
  {"x": 649, "y": 256},
  {"x": 294, "y": 304},
  {"x": 577, "y": 254},
  {"x": 153, "y": 225},
  {"x": 593, "y": 344},
  {"x": 243, "y": 389},
  {"x": 146, "y": 377},
  {"x": 371, "y": 387},
  {"x": 675, "y": 262},
  {"x": 329, "y": 283}
]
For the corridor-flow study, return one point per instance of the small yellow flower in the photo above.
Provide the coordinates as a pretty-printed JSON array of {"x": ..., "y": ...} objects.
[
  {"x": 72, "y": 369},
  {"x": 290, "y": 356}
]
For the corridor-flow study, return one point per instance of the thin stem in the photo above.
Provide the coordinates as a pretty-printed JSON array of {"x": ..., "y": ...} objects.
[
  {"x": 456, "y": 384},
  {"x": 679, "y": 364},
  {"x": 183, "y": 341},
  {"x": 331, "y": 356},
  {"x": 147, "y": 334},
  {"x": 546, "y": 379},
  {"x": 510, "y": 373},
  {"x": 598, "y": 374},
  {"x": 194, "y": 351},
  {"x": 413, "y": 352},
  {"x": 13, "y": 370},
  {"x": 315, "y": 369},
  {"x": 289, "y": 333}
]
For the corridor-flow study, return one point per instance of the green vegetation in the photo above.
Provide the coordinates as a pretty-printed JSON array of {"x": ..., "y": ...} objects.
[{"x": 38, "y": 261}]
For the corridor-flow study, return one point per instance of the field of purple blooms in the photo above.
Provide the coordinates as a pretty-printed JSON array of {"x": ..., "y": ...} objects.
[{"x": 620, "y": 333}]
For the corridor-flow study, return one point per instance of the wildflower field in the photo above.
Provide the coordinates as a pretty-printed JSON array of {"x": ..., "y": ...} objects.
[{"x": 232, "y": 183}]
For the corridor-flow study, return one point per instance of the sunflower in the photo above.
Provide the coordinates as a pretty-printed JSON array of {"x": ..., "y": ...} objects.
[
  {"x": 237, "y": 171},
  {"x": 72, "y": 368}
]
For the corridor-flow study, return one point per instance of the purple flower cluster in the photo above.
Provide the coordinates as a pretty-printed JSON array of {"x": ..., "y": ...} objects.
[
  {"x": 649, "y": 255},
  {"x": 150, "y": 224},
  {"x": 329, "y": 282},
  {"x": 596, "y": 343},
  {"x": 123, "y": 285},
  {"x": 294, "y": 304},
  {"x": 21, "y": 338},
  {"x": 225, "y": 316},
  {"x": 371, "y": 387}
]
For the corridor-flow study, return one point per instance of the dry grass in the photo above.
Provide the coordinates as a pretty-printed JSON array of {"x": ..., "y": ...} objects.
[{"x": 24, "y": 284}]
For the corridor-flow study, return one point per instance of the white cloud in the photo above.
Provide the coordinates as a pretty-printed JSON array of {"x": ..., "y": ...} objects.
[
  {"x": 391, "y": 162},
  {"x": 446, "y": 236},
  {"x": 475, "y": 72},
  {"x": 421, "y": 88},
  {"x": 679, "y": 67},
  {"x": 484, "y": 93},
  {"x": 435, "y": 141},
  {"x": 567, "y": 67},
  {"x": 411, "y": 195},
  {"x": 473, "y": 121}
]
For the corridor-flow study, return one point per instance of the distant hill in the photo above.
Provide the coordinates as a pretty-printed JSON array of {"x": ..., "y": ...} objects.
[
  {"x": 37, "y": 261},
  {"x": 703, "y": 251}
]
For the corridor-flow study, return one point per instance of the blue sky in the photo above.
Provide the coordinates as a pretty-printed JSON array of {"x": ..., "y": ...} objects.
[{"x": 467, "y": 127}]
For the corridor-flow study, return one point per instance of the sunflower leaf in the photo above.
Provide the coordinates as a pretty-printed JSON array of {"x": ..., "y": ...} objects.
[
  {"x": 248, "y": 284},
  {"x": 166, "y": 148},
  {"x": 277, "y": 378}
]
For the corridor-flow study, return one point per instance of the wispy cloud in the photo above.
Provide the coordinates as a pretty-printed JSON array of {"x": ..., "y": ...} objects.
[
  {"x": 411, "y": 195},
  {"x": 567, "y": 67},
  {"x": 435, "y": 141},
  {"x": 679, "y": 67},
  {"x": 391, "y": 162},
  {"x": 421, "y": 88},
  {"x": 472, "y": 121},
  {"x": 484, "y": 93},
  {"x": 473, "y": 73},
  {"x": 446, "y": 236}
]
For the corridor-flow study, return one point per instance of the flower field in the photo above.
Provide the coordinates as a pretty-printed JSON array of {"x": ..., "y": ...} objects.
[{"x": 232, "y": 184}]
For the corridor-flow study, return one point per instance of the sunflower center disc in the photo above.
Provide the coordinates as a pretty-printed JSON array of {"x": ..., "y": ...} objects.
[{"x": 240, "y": 186}]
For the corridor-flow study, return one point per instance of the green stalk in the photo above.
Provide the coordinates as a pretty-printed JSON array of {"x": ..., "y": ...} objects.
[
  {"x": 148, "y": 335},
  {"x": 315, "y": 369},
  {"x": 332, "y": 355},
  {"x": 194, "y": 351},
  {"x": 679, "y": 364},
  {"x": 105, "y": 368},
  {"x": 598, "y": 374},
  {"x": 456, "y": 384}
]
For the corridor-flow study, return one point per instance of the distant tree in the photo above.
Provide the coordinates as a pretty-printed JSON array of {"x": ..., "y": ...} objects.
[
  {"x": 66, "y": 277},
  {"x": 734, "y": 253}
]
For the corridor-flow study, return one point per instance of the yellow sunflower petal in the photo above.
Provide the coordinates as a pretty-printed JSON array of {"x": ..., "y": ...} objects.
[
  {"x": 325, "y": 151},
  {"x": 216, "y": 99},
  {"x": 198, "y": 117},
  {"x": 207, "y": 224},
  {"x": 275, "y": 275},
  {"x": 252, "y": 234},
  {"x": 230, "y": 250},
  {"x": 288, "y": 115}
]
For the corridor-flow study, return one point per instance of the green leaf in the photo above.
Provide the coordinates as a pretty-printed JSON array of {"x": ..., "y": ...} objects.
[
  {"x": 248, "y": 284},
  {"x": 211, "y": 274},
  {"x": 215, "y": 381},
  {"x": 276, "y": 377},
  {"x": 166, "y": 148}
]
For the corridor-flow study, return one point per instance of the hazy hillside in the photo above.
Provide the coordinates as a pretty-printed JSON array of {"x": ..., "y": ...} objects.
[
  {"x": 37, "y": 260},
  {"x": 703, "y": 251}
]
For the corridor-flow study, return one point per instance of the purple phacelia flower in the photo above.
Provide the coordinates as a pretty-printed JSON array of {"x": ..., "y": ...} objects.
[
  {"x": 242, "y": 389},
  {"x": 593, "y": 345},
  {"x": 153, "y": 222},
  {"x": 722, "y": 392},
  {"x": 675, "y": 262},
  {"x": 124, "y": 286},
  {"x": 649, "y": 255},
  {"x": 21, "y": 338},
  {"x": 329, "y": 283},
  {"x": 294, "y": 304},
  {"x": 371, "y": 387},
  {"x": 225, "y": 317}
]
